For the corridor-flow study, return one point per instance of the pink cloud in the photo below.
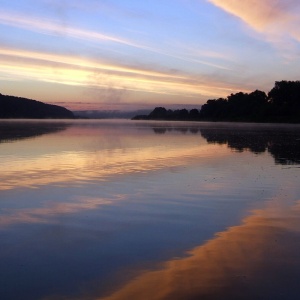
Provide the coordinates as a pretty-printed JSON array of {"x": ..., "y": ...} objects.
[{"x": 277, "y": 19}]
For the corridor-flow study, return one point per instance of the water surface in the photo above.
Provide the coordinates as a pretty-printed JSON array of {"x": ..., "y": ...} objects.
[{"x": 149, "y": 210}]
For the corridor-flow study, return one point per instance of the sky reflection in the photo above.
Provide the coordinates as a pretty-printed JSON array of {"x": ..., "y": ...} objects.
[
  {"x": 45, "y": 214},
  {"x": 147, "y": 210},
  {"x": 247, "y": 261},
  {"x": 82, "y": 153}
]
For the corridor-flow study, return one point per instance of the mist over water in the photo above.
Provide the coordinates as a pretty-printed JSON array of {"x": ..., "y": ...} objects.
[{"x": 149, "y": 210}]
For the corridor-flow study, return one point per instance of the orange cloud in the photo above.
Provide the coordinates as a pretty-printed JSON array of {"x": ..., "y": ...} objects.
[
  {"x": 258, "y": 14},
  {"x": 276, "y": 19},
  {"x": 20, "y": 64}
]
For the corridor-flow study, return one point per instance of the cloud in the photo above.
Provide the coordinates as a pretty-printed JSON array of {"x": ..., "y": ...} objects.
[
  {"x": 256, "y": 13},
  {"x": 51, "y": 27},
  {"x": 114, "y": 79},
  {"x": 277, "y": 19},
  {"x": 78, "y": 62},
  {"x": 58, "y": 28}
]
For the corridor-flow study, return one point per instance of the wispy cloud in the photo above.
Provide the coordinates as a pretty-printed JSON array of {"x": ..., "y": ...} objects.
[
  {"x": 73, "y": 70},
  {"x": 171, "y": 68},
  {"x": 52, "y": 27},
  {"x": 79, "y": 62},
  {"x": 56, "y": 28}
]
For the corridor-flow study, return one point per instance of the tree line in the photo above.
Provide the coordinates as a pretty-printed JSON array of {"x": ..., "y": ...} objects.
[{"x": 281, "y": 104}]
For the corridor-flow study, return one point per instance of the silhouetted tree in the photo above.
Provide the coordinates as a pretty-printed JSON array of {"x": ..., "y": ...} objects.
[
  {"x": 180, "y": 114},
  {"x": 214, "y": 110},
  {"x": 159, "y": 113},
  {"x": 194, "y": 114},
  {"x": 281, "y": 105},
  {"x": 284, "y": 99}
]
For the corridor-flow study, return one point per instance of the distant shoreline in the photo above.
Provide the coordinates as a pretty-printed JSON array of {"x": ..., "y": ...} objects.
[{"x": 280, "y": 105}]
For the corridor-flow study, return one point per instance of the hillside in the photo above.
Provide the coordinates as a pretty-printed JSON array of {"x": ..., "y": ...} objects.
[{"x": 12, "y": 107}]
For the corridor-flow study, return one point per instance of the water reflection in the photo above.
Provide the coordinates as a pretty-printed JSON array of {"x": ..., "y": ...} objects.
[
  {"x": 283, "y": 143},
  {"x": 250, "y": 261},
  {"x": 165, "y": 127},
  {"x": 112, "y": 208},
  {"x": 17, "y": 129},
  {"x": 258, "y": 259},
  {"x": 86, "y": 151},
  {"x": 42, "y": 215}
]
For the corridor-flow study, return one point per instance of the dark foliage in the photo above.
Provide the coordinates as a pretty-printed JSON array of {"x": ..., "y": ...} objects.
[
  {"x": 160, "y": 113},
  {"x": 282, "y": 104},
  {"x": 237, "y": 107},
  {"x": 19, "y": 108},
  {"x": 284, "y": 100}
]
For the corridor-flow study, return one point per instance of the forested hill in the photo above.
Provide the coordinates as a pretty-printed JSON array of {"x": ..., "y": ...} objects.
[
  {"x": 19, "y": 108},
  {"x": 281, "y": 104}
]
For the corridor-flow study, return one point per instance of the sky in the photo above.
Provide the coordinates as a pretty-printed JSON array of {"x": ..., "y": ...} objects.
[{"x": 117, "y": 54}]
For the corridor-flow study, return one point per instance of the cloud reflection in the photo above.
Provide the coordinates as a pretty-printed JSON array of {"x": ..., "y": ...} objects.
[
  {"x": 97, "y": 157},
  {"x": 244, "y": 262},
  {"x": 43, "y": 214}
]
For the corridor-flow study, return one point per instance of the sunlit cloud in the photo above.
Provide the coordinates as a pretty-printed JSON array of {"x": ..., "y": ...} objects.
[
  {"x": 136, "y": 61},
  {"x": 91, "y": 73},
  {"x": 72, "y": 70},
  {"x": 276, "y": 19},
  {"x": 79, "y": 62}
]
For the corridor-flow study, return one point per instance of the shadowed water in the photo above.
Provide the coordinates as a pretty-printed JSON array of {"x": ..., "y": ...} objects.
[{"x": 149, "y": 210}]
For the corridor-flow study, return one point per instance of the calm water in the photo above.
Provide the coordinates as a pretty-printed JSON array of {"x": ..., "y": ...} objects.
[{"x": 145, "y": 210}]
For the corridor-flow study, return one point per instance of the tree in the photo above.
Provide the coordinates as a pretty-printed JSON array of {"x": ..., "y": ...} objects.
[
  {"x": 159, "y": 113},
  {"x": 194, "y": 114},
  {"x": 285, "y": 100}
]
